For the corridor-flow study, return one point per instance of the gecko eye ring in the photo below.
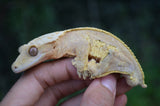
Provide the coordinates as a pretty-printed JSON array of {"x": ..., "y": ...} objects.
[{"x": 33, "y": 51}]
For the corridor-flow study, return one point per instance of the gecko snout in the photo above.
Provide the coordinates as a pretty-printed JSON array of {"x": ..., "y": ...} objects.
[{"x": 14, "y": 68}]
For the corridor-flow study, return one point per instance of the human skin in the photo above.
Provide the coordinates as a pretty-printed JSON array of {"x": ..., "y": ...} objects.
[{"x": 47, "y": 83}]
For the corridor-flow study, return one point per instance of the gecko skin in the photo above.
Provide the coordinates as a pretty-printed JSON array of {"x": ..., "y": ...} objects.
[{"x": 96, "y": 53}]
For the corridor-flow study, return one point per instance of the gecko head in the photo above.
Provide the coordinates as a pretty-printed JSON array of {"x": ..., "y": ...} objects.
[
  {"x": 35, "y": 52},
  {"x": 30, "y": 55}
]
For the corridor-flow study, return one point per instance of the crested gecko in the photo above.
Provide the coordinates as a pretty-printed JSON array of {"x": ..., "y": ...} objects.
[{"x": 96, "y": 53}]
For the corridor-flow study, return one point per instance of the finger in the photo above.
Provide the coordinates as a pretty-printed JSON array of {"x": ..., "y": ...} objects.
[
  {"x": 32, "y": 84},
  {"x": 100, "y": 92},
  {"x": 75, "y": 101},
  {"x": 121, "y": 100},
  {"x": 53, "y": 94},
  {"x": 122, "y": 86},
  {"x": 48, "y": 74}
]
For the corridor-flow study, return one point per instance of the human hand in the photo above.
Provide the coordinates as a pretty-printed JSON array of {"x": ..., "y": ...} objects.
[{"x": 47, "y": 83}]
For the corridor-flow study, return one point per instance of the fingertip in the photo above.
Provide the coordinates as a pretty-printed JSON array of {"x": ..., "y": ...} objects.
[
  {"x": 121, "y": 100},
  {"x": 122, "y": 86},
  {"x": 100, "y": 91},
  {"x": 110, "y": 83}
]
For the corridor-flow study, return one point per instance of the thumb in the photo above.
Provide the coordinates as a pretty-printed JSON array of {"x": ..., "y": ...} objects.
[{"x": 101, "y": 92}]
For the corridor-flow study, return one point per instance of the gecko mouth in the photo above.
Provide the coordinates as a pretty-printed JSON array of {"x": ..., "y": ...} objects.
[{"x": 18, "y": 67}]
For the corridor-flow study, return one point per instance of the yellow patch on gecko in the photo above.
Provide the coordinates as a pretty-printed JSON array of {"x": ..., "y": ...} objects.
[{"x": 98, "y": 49}]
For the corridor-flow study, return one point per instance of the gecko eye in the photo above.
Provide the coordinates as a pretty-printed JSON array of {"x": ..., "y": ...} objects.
[{"x": 33, "y": 51}]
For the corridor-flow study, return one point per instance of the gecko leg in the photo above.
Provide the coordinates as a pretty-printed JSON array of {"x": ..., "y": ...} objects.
[{"x": 81, "y": 60}]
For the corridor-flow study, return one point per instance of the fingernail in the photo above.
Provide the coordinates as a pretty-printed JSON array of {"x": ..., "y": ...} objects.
[{"x": 110, "y": 83}]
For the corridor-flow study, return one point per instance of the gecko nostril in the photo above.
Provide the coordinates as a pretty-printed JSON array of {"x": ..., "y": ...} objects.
[{"x": 15, "y": 67}]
